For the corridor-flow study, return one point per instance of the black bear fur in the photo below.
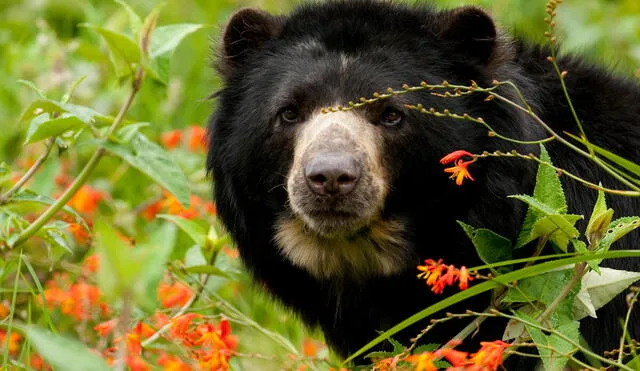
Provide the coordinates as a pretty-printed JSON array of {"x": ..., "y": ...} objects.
[{"x": 263, "y": 60}]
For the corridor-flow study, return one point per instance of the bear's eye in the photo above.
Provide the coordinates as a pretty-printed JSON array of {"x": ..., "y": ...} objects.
[
  {"x": 290, "y": 115},
  {"x": 391, "y": 117}
]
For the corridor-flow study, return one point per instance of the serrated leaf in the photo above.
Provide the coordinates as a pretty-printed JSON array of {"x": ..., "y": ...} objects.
[
  {"x": 559, "y": 229},
  {"x": 134, "y": 19},
  {"x": 602, "y": 288},
  {"x": 543, "y": 288},
  {"x": 155, "y": 162},
  {"x": 154, "y": 253},
  {"x": 490, "y": 246},
  {"x": 63, "y": 353},
  {"x": 634, "y": 364},
  {"x": 426, "y": 348},
  {"x": 548, "y": 191},
  {"x": 536, "y": 204},
  {"x": 618, "y": 160},
  {"x": 397, "y": 347},
  {"x": 599, "y": 220},
  {"x": 123, "y": 50},
  {"x": 164, "y": 41},
  {"x": 43, "y": 127},
  {"x": 379, "y": 355},
  {"x": 552, "y": 360},
  {"x": 616, "y": 230},
  {"x": 515, "y": 329}
]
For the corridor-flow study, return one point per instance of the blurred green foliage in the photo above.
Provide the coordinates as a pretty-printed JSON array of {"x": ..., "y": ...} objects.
[{"x": 42, "y": 41}]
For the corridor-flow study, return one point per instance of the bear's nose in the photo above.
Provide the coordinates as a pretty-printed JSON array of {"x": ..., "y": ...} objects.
[{"x": 332, "y": 173}]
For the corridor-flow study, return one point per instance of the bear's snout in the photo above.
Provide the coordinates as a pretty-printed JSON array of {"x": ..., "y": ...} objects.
[{"x": 332, "y": 173}]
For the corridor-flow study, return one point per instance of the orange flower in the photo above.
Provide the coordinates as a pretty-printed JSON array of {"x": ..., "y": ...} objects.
[
  {"x": 14, "y": 341},
  {"x": 174, "y": 295},
  {"x": 37, "y": 363},
  {"x": 460, "y": 169},
  {"x": 172, "y": 363},
  {"x": 489, "y": 355},
  {"x": 197, "y": 139},
  {"x": 464, "y": 277},
  {"x": 86, "y": 200},
  {"x": 136, "y": 363},
  {"x": 181, "y": 324},
  {"x": 423, "y": 361},
  {"x": 150, "y": 212},
  {"x": 81, "y": 301},
  {"x": 455, "y": 357},
  {"x": 4, "y": 311},
  {"x": 105, "y": 328},
  {"x": 80, "y": 233},
  {"x": 91, "y": 263},
  {"x": 171, "y": 139},
  {"x": 433, "y": 270},
  {"x": 311, "y": 347}
]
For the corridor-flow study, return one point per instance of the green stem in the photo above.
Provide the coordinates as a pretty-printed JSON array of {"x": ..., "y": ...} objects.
[
  {"x": 32, "y": 170},
  {"x": 85, "y": 172},
  {"x": 625, "y": 328},
  {"x": 123, "y": 327}
]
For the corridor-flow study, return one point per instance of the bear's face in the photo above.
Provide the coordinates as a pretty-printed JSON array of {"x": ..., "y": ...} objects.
[{"x": 327, "y": 177}]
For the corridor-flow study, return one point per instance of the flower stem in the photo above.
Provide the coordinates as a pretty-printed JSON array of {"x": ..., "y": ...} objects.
[
  {"x": 32, "y": 170},
  {"x": 123, "y": 327},
  {"x": 85, "y": 172}
]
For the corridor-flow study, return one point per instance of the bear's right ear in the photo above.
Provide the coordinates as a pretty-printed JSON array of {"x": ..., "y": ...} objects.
[
  {"x": 247, "y": 30},
  {"x": 472, "y": 30}
]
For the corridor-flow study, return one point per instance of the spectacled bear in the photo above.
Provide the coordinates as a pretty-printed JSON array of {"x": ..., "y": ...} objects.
[{"x": 333, "y": 212}]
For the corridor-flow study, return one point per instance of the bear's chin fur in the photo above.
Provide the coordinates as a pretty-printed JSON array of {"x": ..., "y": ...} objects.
[{"x": 376, "y": 250}]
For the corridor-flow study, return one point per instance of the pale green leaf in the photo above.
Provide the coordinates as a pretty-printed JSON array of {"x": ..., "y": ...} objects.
[
  {"x": 558, "y": 228},
  {"x": 155, "y": 162},
  {"x": 69, "y": 94},
  {"x": 43, "y": 127},
  {"x": 118, "y": 268},
  {"x": 194, "y": 257},
  {"x": 154, "y": 253},
  {"x": 552, "y": 359},
  {"x": 134, "y": 19},
  {"x": 34, "y": 87},
  {"x": 616, "y": 230},
  {"x": 123, "y": 50},
  {"x": 164, "y": 41},
  {"x": 191, "y": 228},
  {"x": 581, "y": 247},
  {"x": 603, "y": 288},
  {"x": 64, "y": 353},
  {"x": 29, "y": 196},
  {"x": 207, "y": 269}
]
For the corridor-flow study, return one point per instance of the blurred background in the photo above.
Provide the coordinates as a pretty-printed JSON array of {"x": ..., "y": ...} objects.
[{"x": 42, "y": 41}]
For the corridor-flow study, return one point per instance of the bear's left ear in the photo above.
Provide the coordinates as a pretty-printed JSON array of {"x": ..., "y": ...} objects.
[
  {"x": 472, "y": 31},
  {"x": 246, "y": 31}
]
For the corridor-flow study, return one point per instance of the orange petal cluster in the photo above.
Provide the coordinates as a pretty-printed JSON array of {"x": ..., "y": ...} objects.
[
  {"x": 439, "y": 275},
  {"x": 197, "y": 208},
  {"x": 86, "y": 200},
  {"x": 79, "y": 300},
  {"x": 460, "y": 169},
  {"x": 487, "y": 358},
  {"x": 175, "y": 295},
  {"x": 14, "y": 341},
  {"x": 196, "y": 138}
]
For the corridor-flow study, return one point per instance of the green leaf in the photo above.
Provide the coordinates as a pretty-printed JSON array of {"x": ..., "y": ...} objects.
[
  {"x": 155, "y": 254},
  {"x": 43, "y": 127},
  {"x": 631, "y": 166},
  {"x": 498, "y": 281},
  {"x": 164, "y": 41},
  {"x": 559, "y": 229},
  {"x": 548, "y": 191},
  {"x": 155, "y": 162},
  {"x": 84, "y": 114},
  {"x": 118, "y": 268},
  {"x": 581, "y": 247},
  {"x": 194, "y": 257},
  {"x": 616, "y": 230},
  {"x": 538, "y": 206},
  {"x": 124, "y": 51},
  {"x": 600, "y": 219},
  {"x": 543, "y": 288},
  {"x": 32, "y": 86},
  {"x": 634, "y": 364},
  {"x": 491, "y": 247},
  {"x": 553, "y": 359},
  {"x": 602, "y": 288},
  {"x": 63, "y": 353},
  {"x": 207, "y": 269},
  {"x": 426, "y": 348},
  {"x": 29, "y": 196},
  {"x": 67, "y": 96},
  {"x": 134, "y": 19}
]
